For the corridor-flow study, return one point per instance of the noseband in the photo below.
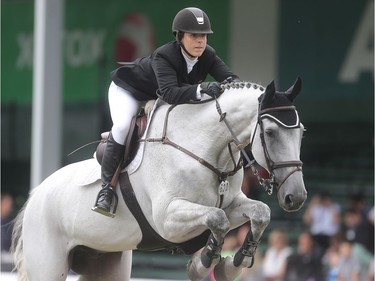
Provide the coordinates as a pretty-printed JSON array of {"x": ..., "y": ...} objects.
[{"x": 270, "y": 183}]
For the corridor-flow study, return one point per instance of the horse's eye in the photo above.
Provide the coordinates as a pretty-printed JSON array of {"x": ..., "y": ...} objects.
[{"x": 270, "y": 133}]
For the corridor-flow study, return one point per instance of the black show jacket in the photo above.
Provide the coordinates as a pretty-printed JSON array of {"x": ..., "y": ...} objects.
[{"x": 166, "y": 70}]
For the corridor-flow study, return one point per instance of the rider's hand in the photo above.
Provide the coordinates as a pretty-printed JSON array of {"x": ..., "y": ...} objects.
[
  {"x": 212, "y": 89},
  {"x": 231, "y": 79}
]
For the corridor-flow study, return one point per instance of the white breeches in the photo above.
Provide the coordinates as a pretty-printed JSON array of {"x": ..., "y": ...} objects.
[{"x": 123, "y": 107}]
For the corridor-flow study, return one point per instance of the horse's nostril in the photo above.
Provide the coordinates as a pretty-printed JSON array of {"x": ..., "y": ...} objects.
[{"x": 289, "y": 200}]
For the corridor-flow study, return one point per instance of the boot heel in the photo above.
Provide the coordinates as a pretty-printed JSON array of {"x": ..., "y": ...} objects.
[{"x": 110, "y": 210}]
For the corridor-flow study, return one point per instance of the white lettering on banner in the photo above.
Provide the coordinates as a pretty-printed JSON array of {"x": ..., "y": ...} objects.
[
  {"x": 82, "y": 48},
  {"x": 360, "y": 57},
  {"x": 25, "y": 57}
]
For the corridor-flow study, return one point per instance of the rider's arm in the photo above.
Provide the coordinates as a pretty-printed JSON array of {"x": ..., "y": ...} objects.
[{"x": 167, "y": 72}]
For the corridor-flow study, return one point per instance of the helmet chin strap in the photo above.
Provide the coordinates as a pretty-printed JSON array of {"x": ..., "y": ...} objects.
[
  {"x": 186, "y": 51},
  {"x": 182, "y": 46}
]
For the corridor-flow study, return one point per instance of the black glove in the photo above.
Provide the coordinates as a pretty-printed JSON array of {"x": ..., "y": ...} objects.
[
  {"x": 231, "y": 79},
  {"x": 212, "y": 89}
]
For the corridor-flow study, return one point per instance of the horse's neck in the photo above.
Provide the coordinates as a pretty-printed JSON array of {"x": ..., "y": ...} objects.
[
  {"x": 198, "y": 127},
  {"x": 241, "y": 107}
]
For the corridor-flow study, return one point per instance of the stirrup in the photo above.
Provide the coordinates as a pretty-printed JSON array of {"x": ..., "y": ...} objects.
[{"x": 112, "y": 212}]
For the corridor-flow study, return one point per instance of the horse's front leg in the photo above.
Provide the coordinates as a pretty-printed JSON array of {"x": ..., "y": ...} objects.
[
  {"x": 240, "y": 211},
  {"x": 184, "y": 220}
]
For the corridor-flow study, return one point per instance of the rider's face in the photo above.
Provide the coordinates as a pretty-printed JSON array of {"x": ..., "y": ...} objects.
[{"x": 195, "y": 43}]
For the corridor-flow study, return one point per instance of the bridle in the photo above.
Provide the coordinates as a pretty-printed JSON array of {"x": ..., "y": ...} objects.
[{"x": 270, "y": 183}]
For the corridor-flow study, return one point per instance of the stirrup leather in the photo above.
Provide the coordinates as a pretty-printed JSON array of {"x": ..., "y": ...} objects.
[{"x": 112, "y": 212}]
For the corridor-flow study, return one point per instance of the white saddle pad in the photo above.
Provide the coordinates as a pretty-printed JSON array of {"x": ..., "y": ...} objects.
[
  {"x": 92, "y": 171},
  {"x": 90, "y": 174}
]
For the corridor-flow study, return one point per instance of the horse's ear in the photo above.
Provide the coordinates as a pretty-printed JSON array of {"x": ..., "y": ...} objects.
[
  {"x": 293, "y": 91},
  {"x": 269, "y": 93}
]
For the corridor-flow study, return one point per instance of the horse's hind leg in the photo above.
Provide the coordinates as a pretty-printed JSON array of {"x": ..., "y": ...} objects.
[
  {"x": 45, "y": 260},
  {"x": 109, "y": 267}
]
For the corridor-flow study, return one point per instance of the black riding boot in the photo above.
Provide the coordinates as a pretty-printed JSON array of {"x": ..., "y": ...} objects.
[{"x": 111, "y": 159}]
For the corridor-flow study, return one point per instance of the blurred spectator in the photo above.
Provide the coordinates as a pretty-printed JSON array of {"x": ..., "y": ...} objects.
[
  {"x": 274, "y": 262},
  {"x": 323, "y": 218},
  {"x": 359, "y": 229},
  {"x": 305, "y": 265},
  {"x": 332, "y": 271},
  {"x": 356, "y": 201},
  {"x": 370, "y": 215},
  {"x": 331, "y": 258},
  {"x": 349, "y": 268},
  {"x": 370, "y": 271},
  {"x": 7, "y": 206},
  {"x": 363, "y": 256},
  {"x": 334, "y": 253}
]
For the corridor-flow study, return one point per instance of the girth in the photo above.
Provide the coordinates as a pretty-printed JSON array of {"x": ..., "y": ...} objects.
[{"x": 151, "y": 240}]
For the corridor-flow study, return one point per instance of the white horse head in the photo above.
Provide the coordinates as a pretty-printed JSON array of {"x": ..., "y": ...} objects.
[{"x": 277, "y": 144}]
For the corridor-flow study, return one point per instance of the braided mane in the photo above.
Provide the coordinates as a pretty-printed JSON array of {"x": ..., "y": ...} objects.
[{"x": 241, "y": 85}]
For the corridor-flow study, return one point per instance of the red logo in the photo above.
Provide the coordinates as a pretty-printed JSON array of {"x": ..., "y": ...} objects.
[{"x": 135, "y": 38}]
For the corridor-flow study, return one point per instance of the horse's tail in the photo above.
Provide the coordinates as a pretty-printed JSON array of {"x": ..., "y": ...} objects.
[{"x": 17, "y": 246}]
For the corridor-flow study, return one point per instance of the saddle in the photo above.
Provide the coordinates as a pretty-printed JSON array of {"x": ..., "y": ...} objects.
[{"x": 137, "y": 128}]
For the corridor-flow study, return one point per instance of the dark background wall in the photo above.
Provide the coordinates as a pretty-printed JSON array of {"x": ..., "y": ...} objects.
[{"x": 329, "y": 44}]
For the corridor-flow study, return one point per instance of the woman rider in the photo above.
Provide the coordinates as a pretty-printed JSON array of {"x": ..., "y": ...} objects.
[{"x": 176, "y": 70}]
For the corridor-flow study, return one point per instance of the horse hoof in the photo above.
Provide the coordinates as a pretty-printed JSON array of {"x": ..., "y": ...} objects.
[
  {"x": 195, "y": 269},
  {"x": 192, "y": 271},
  {"x": 226, "y": 271},
  {"x": 239, "y": 260}
]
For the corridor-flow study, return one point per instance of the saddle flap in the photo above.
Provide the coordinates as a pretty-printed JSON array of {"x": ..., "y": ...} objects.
[{"x": 137, "y": 128}]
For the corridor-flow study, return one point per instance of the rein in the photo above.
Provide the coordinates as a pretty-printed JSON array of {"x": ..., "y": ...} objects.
[
  {"x": 222, "y": 176},
  {"x": 165, "y": 140}
]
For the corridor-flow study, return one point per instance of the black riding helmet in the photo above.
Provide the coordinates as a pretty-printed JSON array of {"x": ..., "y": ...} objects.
[{"x": 192, "y": 20}]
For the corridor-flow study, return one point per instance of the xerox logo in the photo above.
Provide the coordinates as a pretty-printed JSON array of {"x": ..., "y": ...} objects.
[{"x": 81, "y": 48}]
